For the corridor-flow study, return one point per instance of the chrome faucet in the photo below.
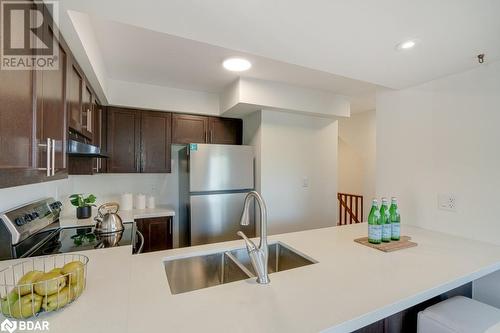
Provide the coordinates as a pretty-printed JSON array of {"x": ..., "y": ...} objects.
[{"x": 259, "y": 256}]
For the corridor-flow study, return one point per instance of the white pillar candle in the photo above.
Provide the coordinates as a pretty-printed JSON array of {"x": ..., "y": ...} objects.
[
  {"x": 151, "y": 202},
  {"x": 126, "y": 201},
  {"x": 140, "y": 201}
]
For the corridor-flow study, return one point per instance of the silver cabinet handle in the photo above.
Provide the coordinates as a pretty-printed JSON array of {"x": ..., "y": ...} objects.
[
  {"x": 211, "y": 136},
  {"x": 53, "y": 157},
  {"x": 49, "y": 142},
  {"x": 89, "y": 120},
  {"x": 170, "y": 223}
]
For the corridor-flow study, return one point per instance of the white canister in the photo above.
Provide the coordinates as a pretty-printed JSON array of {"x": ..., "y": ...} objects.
[
  {"x": 140, "y": 201},
  {"x": 126, "y": 202},
  {"x": 151, "y": 202}
]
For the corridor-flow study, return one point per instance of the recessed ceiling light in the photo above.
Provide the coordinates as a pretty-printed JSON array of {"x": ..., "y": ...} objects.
[
  {"x": 236, "y": 64},
  {"x": 407, "y": 44}
]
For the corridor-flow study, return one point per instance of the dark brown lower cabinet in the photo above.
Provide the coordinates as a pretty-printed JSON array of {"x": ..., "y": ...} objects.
[{"x": 157, "y": 233}]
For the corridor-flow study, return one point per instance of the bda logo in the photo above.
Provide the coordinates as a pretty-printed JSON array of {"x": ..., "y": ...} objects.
[{"x": 8, "y": 326}]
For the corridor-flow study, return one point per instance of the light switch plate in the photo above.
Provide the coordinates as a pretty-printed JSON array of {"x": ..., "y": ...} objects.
[{"x": 447, "y": 201}]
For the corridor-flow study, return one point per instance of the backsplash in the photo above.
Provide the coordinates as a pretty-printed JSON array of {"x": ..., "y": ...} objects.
[{"x": 109, "y": 187}]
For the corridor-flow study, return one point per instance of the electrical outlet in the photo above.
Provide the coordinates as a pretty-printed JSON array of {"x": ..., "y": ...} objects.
[
  {"x": 305, "y": 182},
  {"x": 447, "y": 201}
]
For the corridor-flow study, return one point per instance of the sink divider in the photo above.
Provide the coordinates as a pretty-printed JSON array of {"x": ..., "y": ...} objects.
[{"x": 240, "y": 265}]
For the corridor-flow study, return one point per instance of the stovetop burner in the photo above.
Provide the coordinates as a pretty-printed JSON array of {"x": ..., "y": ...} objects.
[{"x": 81, "y": 239}]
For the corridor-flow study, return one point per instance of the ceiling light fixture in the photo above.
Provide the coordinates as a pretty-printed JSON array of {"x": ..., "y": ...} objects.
[
  {"x": 406, "y": 45},
  {"x": 236, "y": 64}
]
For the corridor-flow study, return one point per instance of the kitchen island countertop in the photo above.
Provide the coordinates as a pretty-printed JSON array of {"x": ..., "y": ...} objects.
[{"x": 351, "y": 286}]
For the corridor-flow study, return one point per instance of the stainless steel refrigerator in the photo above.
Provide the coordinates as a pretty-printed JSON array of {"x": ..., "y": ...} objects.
[{"x": 213, "y": 183}]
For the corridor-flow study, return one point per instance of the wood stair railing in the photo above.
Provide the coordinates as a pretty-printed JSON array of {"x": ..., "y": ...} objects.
[{"x": 350, "y": 208}]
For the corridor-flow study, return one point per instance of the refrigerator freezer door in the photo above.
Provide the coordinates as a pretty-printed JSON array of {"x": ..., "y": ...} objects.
[
  {"x": 220, "y": 167},
  {"x": 216, "y": 218}
]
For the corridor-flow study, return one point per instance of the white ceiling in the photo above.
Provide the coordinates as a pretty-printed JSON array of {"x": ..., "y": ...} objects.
[
  {"x": 155, "y": 40},
  {"x": 140, "y": 55}
]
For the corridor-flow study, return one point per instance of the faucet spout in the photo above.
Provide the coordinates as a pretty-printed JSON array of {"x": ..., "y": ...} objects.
[{"x": 258, "y": 255}]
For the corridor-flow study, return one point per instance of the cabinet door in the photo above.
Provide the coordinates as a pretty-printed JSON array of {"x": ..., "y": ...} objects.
[
  {"x": 81, "y": 165},
  {"x": 155, "y": 142},
  {"x": 16, "y": 127},
  {"x": 157, "y": 233},
  {"x": 189, "y": 129},
  {"x": 99, "y": 135},
  {"x": 87, "y": 113},
  {"x": 228, "y": 131},
  {"x": 123, "y": 140},
  {"x": 51, "y": 113},
  {"x": 75, "y": 99}
]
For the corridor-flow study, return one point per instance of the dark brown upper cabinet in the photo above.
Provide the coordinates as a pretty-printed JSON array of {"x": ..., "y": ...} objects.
[
  {"x": 138, "y": 141},
  {"x": 155, "y": 141},
  {"x": 92, "y": 165},
  {"x": 87, "y": 113},
  {"x": 32, "y": 112},
  {"x": 227, "y": 131},
  {"x": 189, "y": 129},
  {"x": 16, "y": 127},
  {"x": 75, "y": 85},
  {"x": 51, "y": 116},
  {"x": 123, "y": 140},
  {"x": 100, "y": 138},
  {"x": 202, "y": 129}
]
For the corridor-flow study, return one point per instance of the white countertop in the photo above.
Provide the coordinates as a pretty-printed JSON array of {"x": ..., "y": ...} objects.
[
  {"x": 126, "y": 215},
  {"x": 350, "y": 286}
]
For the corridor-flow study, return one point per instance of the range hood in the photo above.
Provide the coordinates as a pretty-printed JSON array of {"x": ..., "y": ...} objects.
[{"x": 80, "y": 149}]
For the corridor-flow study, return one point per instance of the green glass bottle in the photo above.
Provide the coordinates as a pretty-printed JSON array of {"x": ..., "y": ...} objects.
[
  {"x": 385, "y": 221},
  {"x": 374, "y": 226},
  {"x": 395, "y": 219}
]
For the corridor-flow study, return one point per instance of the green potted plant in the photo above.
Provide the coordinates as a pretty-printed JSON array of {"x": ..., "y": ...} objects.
[{"x": 83, "y": 205}]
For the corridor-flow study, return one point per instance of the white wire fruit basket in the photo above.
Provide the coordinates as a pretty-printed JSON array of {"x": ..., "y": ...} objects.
[{"x": 42, "y": 284}]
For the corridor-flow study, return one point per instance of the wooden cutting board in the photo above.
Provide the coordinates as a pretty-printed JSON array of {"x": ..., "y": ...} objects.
[{"x": 401, "y": 244}]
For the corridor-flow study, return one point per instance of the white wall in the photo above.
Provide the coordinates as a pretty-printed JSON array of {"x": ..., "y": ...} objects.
[
  {"x": 292, "y": 149},
  {"x": 148, "y": 96},
  {"x": 442, "y": 137},
  {"x": 357, "y": 154}
]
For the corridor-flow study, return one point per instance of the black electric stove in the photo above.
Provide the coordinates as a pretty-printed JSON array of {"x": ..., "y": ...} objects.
[
  {"x": 84, "y": 238},
  {"x": 33, "y": 230}
]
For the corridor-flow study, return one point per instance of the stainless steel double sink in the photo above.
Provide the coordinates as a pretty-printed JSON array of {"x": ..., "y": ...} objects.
[{"x": 197, "y": 272}]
